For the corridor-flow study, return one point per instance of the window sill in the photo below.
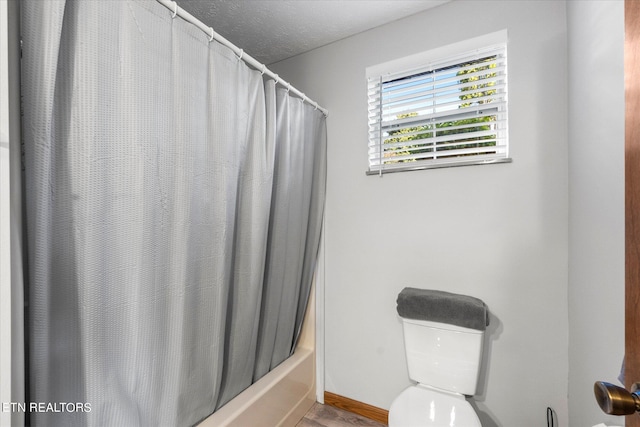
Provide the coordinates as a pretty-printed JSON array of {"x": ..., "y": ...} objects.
[{"x": 390, "y": 169}]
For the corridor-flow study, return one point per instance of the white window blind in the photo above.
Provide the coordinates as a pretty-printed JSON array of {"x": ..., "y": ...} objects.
[{"x": 451, "y": 112}]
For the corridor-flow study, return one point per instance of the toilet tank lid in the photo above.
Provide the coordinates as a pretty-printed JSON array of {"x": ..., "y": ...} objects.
[{"x": 443, "y": 307}]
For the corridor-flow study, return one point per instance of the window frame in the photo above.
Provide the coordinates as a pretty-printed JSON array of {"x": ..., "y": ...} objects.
[{"x": 434, "y": 62}]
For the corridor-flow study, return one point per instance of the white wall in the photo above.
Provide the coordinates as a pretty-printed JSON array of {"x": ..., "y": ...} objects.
[
  {"x": 596, "y": 219},
  {"x": 497, "y": 232},
  {"x": 5, "y": 240},
  {"x": 11, "y": 294}
]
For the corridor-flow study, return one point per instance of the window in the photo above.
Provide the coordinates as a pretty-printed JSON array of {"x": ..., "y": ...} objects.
[{"x": 446, "y": 111}]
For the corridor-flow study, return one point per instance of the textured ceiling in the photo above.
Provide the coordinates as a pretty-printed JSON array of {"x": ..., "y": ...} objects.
[{"x": 273, "y": 30}]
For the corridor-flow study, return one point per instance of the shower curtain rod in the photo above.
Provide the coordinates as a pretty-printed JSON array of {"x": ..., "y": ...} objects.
[{"x": 178, "y": 11}]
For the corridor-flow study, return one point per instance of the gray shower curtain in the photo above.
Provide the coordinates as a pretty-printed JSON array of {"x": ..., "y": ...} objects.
[{"x": 174, "y": 205}]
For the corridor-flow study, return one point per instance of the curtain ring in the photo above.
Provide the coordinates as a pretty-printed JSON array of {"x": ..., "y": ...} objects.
[
  {"x": 211, "y": 36},
  {"x": 264, "y": 69},
  {"x": 175, "y": 9},
  {"x": 241, "y": 55},
  {"x": 288, "y": 87}
]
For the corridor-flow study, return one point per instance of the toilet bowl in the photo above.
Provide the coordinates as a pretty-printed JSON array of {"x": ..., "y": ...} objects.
[
  {"x": 424, "y": 406},
  {"x": 443, "y": 337}
]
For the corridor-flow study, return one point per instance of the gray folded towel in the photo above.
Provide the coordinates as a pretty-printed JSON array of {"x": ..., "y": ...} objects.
[{"x": 443, "y": 307}]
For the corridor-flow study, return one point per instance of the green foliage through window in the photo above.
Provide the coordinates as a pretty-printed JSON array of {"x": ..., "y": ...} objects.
[
  {"x": 452, "y": 113},
  {"x": 477, "y": 90}
]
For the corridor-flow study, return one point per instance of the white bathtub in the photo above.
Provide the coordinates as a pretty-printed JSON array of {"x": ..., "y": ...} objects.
[{"x": 283, "y": 396}]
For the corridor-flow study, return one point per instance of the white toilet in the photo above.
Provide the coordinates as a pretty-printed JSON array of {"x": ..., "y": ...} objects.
[{"x": 444, "y": 360}]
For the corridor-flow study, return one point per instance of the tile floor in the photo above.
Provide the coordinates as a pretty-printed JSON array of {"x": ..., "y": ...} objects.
[{"x": 327, "y": 416}]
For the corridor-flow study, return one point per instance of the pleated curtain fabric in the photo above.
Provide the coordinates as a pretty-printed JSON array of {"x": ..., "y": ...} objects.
[
  {"x": 294, "y": 229},
  {"x": 160, "y": 173}
]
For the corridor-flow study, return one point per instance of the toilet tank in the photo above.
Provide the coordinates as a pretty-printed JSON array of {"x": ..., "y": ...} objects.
[{"x": 442, "y": 355}]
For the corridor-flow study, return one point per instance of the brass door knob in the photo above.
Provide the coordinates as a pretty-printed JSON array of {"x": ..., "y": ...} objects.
[{"x": 615, "y": 400}]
